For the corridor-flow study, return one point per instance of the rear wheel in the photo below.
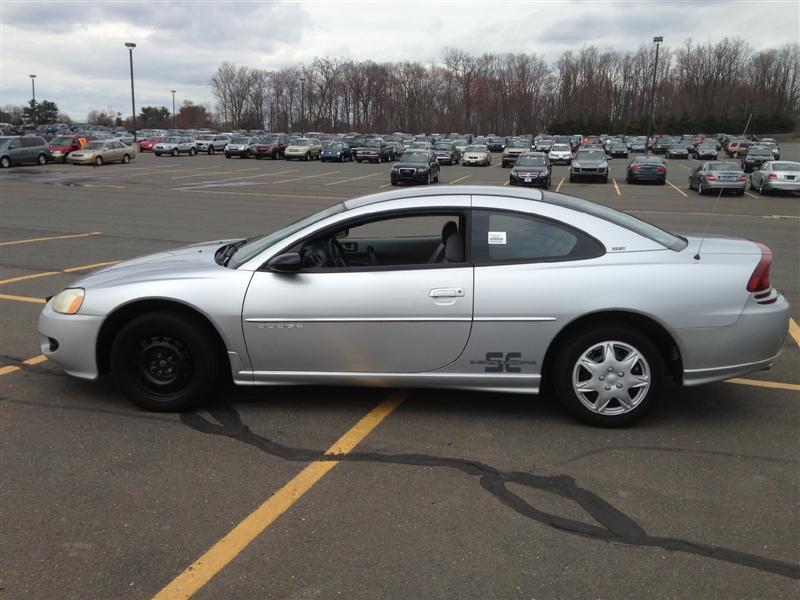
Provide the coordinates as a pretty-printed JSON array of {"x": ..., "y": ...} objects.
[
  {"x": 126, "y": 159},
  {"x": 609, "y": 375},
  {"x": 174, "y": 152},
  {"x": 211, "y": 150},
  {"x": 192, "y": 151},
  {"x": 163, "y": 361},
  {"x": 5, "y": 162},
  {"x": 700, "y": 189},
  {"x": 41, "y": 159},
  {"x": 157, "y": 153}
]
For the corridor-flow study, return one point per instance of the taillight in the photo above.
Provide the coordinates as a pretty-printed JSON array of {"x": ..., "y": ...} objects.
[
  {"x": 772, "y": 176},
  {"x": 759, "y": 280},
  {"x": 635, "y": 168},
  {"x": 660, "y": 169},
  {"x": 742, "y": 177},
  {"x": 710, "y": 176}
]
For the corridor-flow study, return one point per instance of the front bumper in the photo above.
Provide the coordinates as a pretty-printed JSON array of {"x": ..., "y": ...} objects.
[
  {"x": 531, "y": 181},
  {"x": 417, "y": 177},
  {"x": 639, "y": 176},
  {"x": 77, "y": 341},
  {"x": 242, "y": 152}
]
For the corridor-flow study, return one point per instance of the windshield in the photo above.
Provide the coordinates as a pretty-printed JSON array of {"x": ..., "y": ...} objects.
[
  {"x": 414, "y": 157},
  {"x": 373, "y": 144},
  {"x": 301, "y": 143},
  {"x": 476, "y": 149},
  {"x": 61, "y": 141},
  {"x": 271, "y": 139},
  {"x": 172, "y": 140},
  {"x": 560, "y": 148},
  {"x": 724, "y": 166},
  {"x": 240, "y": 140},
  {"x": 419, "y": 145},
  {"x": 531, "y": 161},
  {"x": 205, "y": 137},
  {"x": 519, "y": 144},
  {"x": 786, "y": 166},
  {"x": 590, "y": 155},
  {"x": 261, "y": 243},
  {"x": 95, "y": 146},
  {"x": 759, "y": 152},
  {"x": 444, "y": 147},
  {"x": 676, "y": 147}
]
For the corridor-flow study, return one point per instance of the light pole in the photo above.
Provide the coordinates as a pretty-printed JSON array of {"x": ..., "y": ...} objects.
[
  {"x": 33, "y": 93},
  {"x": 130, "y": 46},
  {"x": 174, "y": 116},
  {"x": 302, "y": 107},
  {"x": 658, "y": 39}
]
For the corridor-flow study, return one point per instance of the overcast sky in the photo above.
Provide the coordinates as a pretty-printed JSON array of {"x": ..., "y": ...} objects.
[{"x": 77, "y": 51}]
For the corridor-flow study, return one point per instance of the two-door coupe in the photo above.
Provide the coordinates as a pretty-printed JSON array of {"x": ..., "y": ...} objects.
[{"x": 469, "y": 287}]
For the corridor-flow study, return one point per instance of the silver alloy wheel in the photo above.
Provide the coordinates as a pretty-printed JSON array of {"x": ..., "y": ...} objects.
[{"x": 611, "y": 378}]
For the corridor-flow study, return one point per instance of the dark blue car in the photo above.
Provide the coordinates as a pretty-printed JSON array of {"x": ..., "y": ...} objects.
[{"x": 337, "y": 151}]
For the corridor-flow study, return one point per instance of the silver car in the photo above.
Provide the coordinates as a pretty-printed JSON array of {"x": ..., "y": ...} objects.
[
  {"x": 211, "y": 143},
  {"x": 718, "y": 176},
  {"x": 479, "y": 288},
  {"x": 175, "y": 145},
  {"x": 776, "y": 175},
  {"x": 591, "y": 163}
]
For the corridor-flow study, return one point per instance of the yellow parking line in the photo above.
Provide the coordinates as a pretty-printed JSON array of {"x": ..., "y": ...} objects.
[
  {"x": 265, "y": 194},
  {"x": 24, "y": 277},
  {"x": 22, "y": 298},
  {"x": 560, "y": 183},
  {"x": 616, "y": 187},
  {"x": 14, "y": 368},
  {"x": 226, "y": 549},
  {"x": 505, "y": 183},
  {"x": 794, "y": 330},
  {"x": 54, "y": 237},
  {"x": 793, "y": 387},
  {"x": 385, "y": 185},
  {"x": 354, "y": 179},
  {"x": 459, "y": 179},
  {"x": 677, "y": 189},
  {"x": 305, "y": 177},
  {"x": 48, "y": 273},
  {"x": 752, "y": 195}
]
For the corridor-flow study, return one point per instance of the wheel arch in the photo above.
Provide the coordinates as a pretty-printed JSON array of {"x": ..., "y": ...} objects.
[
  {"x": 121, "y": 315},
  {"x": 652, "y": 328}
]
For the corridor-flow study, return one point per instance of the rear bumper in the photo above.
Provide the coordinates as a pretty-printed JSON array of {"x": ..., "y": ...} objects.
[
  {"x": 750, "y": 344},
  {"x": 725, "y": 185},
  {"x": 786, "y": 186},
  {"x": 633, "y": 176}
]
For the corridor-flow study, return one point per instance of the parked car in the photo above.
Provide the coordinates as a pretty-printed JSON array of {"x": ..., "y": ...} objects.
[
  {"x": 490, "y": 281},
  {"x": 755, "y": 157},
  {"x": 28, "y": 149},
  {"x": 270, "y": 146},
  {"x": 560, "y": 154},
  {"x": 638, "y": 146},
  {"x": 61, "y": 146},
  {"x": 100, "y": 152},
  {"x": 337, "y": 151},
  {"x": 211, "y": 143},
  {"x": 446, "y": 153},
  {"x": 148, "y": 143},
  {"x": 776, "y": 176},
  {"x": 706, "y": 151},
  {"x": 375, "y": 151},
  {"x": 718, "y": 175},
  {"x": 175, "y": 145},
  {"x": 591, "y": 163},
  {"x": 497, "y": 144},
  {"x": 646, "y": 168},
  {"x": 415, "y": 166},
  {"x": 773, "y": 146},
  {"x": 677, "y": 151},
  {"x": 531, "y": 169},
  {"x": 477, "y": 155},
  {"x": 418, "y": 145},
  {"x": 618, "y": 150},
  {"x": 513, "y": 149},
  {"x": 303, "y": 149},
  {"x": 240, "y": 146},
  {"x": 661, "y": 146},
  {"x": 738, "y": 148}
]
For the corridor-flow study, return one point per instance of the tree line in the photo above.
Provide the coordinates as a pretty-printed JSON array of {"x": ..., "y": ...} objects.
[{"x": 707, "y": 87}]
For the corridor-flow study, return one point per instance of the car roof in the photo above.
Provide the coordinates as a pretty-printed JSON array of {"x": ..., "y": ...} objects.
[{"x": 458, "y": 190}]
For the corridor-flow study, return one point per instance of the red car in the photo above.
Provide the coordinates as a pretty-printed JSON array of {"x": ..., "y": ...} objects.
[
  {"x": 271, "y": 146},
  {"x": 61, "y": 146},
  {"x": 146, "y": 145}
]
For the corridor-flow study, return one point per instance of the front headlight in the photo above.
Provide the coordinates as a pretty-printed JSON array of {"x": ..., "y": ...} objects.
[
  {"x": 604, "y": 165},
  {"x": 68, "y": 301},
  {"x": 395, "y": 169},
  {"x": 576, "y": 164},
  {"x": 422, "y": 169}
]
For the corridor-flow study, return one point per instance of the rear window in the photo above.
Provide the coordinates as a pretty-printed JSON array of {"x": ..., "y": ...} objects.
[
  {"x": 629, "y": 222},
  {"x": 61, "y": 141},
  {"x": 724, "y": 166},
  {"x": 759, "y": 152},
  {"x": 786, "y": 166}
]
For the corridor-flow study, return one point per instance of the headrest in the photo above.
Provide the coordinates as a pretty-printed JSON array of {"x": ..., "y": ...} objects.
[{"x": 454, "y": 248}]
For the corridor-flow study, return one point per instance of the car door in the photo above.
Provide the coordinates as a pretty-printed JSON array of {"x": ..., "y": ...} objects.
[{"x": 374, "y": 318}]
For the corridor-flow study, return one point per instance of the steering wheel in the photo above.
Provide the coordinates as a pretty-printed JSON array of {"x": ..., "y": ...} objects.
[{"x": 336, "y": 254}]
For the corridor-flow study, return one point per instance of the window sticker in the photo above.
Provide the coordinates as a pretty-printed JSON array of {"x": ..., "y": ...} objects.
[{"x": 497, "y": 237}]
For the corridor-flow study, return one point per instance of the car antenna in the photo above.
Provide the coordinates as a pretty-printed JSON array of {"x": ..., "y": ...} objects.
[{"x": 708, "y": 223}]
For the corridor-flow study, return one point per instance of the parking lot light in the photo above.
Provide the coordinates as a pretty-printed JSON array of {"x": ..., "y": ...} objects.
[
  {"x": 33, "y": 93},
  {"x": 174, "y": 116},
  {"x": 657, "y": 40},
  {"x": 130, "y": 46}
]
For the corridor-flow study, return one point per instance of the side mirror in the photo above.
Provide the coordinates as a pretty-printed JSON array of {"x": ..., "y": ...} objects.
[
  {"x": 286, "y": 263},
  {"x": 342, "y": 234}
]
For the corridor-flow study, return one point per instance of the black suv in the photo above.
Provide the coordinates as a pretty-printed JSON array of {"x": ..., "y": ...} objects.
[{"x": 755, "y": 157}]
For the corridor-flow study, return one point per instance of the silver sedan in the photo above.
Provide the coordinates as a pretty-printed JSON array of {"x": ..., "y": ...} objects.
[
  {"x": 775, "y": 175},
  {"x": 480, "y": 288}
]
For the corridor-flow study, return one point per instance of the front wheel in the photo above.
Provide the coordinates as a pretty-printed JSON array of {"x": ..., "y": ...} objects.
[
  {"x": 163, "y": 361},
  {"x": 192, "y": 151},
  {"x": 211, "y": 150},
  {"x": 609, "y": 375},
  {"x": 157, "y": 153},
  {"x": 227, "y": 155},
  {"x": 174, "y": 152},
  {"x": 700, "y": 190},
  {"x": 41, "y": 160},
  {"x": 98, "y": 161},
  {"x": 5, "y": 162},
  {"x": 126, "y": 159}
]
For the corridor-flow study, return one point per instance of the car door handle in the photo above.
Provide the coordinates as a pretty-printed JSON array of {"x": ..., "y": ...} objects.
[{"x": 446, "y": 293}]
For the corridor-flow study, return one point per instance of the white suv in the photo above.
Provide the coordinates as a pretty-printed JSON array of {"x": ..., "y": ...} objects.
[
  {"x": 175, "y": 145},
  {"x": 560, "y": 153}
]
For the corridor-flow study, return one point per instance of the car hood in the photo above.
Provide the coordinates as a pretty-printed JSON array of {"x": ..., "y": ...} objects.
[
  {"x": 184, "y": 262},
  {"x": 409, "y": 165},
  {"x": 529, "y": 170},
  {"x": 517, "y": 150}
]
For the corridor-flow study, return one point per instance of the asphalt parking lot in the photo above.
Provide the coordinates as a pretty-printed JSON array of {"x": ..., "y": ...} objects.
[{"x": 422, "y": 494}]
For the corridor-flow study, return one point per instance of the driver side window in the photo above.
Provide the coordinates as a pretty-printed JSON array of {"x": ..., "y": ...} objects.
[{"x": 406, "y": 241}]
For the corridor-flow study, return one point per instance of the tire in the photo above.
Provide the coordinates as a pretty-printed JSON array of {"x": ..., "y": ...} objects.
[
  {"x": 740, "y": 192},
  {"x": 307, "y": 157},
  {"x": 605, "y": 179},
  {"x": 572, "y": 179},
  {"x": 157, "y": 153},
  {"x": 762, "y": 191},
  {"x": 246, "y": 153},
  {"x": 274, "y": 156},
  {"x": 5, "y": 162},
  {"x": 41, "y": 160},
  {"x": 98, "y": 161},
  {"x": 430, "y": 179},
  {"x": 700, "y": 190},
  {"x": 358, "y": 160},
  {"x": 211, "y": 150},
  {"x": 595, "y": 345},
  {"x": 174, "y": 152},
  {"x": 227, "y": 155},
  {"x": 192, "y": 151},
  {"x": 184, "y": 344},
  {"x": 436, "y": 179},
  {"x": 126, "y": 159}
]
